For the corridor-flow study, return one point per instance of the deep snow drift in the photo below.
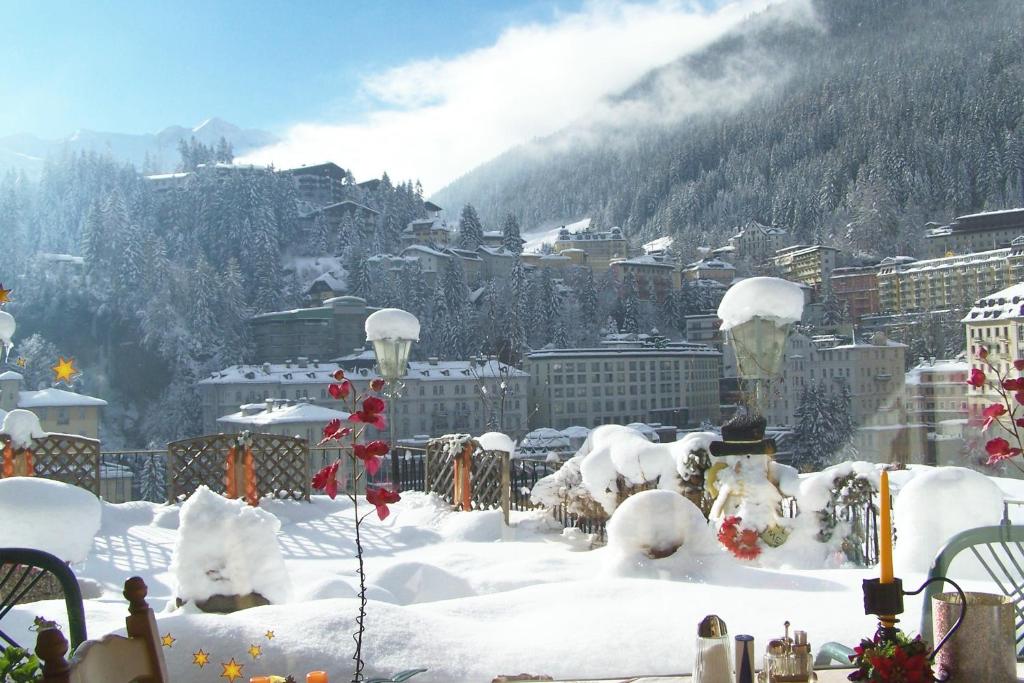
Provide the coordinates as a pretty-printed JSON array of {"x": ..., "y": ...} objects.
[{"x": 469, "y": 598}]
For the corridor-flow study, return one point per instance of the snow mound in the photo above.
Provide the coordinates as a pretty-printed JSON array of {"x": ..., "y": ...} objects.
[
  {"x": 815, "y": 491},
  {"x": 48, "y": 515},
  {"x": 496, "y": 441},
  {"x": 392, "y": 323},
  {"x": 226, "y": 547},
  {"x": 22, "y": 426},
  {"x": 657, "y": 524},
  {"x": 969, "y": 499},
  {"x": 482, "y": 526},
  {"x": 415, "y": 582},
  {"x": 614, "y": 452},
  {"x": 766, "y": 297}
]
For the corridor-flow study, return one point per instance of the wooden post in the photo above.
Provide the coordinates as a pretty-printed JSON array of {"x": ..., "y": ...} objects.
[
  {"x": 24, "y": 465},
  {"x": 51, "y": 648},
  {"x": 467, "y": 482},
  {"x": 140, "y": 623},
  {"x": 8, "y": 466},
  {"x": 506, "y": 485}
]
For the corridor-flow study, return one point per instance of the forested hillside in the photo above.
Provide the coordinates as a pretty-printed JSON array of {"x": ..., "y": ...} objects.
[
  {"x": 854, "y": 124},
  {"x": 169, "y": 276}
]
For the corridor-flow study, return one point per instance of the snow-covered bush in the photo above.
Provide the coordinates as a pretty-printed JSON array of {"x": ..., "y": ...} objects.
[
  {"x": 968, "y": 499},
  {"x": 565, "y": 487},
  {"x": 228, "y": 548},
  {"x": 48, "y": 515},
  {"x": 496, "y": 441},
  {"x": 656, "y": 524}
]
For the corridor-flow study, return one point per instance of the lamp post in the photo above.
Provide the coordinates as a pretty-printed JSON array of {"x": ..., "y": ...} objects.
[
  {"x": 757, "y": 314},
  {"x": 392, "y": 332}
]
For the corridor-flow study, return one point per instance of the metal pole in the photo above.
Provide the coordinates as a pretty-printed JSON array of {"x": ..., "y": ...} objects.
[{"x": 392, "y": 399}]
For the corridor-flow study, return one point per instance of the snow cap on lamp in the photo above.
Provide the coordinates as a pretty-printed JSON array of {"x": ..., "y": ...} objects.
[{"x": 392, "y": 323}]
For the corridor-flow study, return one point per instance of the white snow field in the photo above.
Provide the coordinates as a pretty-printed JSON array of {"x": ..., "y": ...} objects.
[{"x": 469, "y": 598}]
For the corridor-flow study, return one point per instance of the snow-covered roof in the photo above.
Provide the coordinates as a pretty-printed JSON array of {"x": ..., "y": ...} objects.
[
  {"x": 56, "y": 398},
  {"x": 333, "y": 283},
  {"x": 280, "y": 373},
  {"x": 659, "y": 244},
  {"x": 426, "y": 250},
  {"x": 299, "y": 412},
  {"x": 168, "y": 176},
  {"x": 645, "y": 260},
  {"x": 1005, "y": 304},
  {"x": 711, "y": 264},
  {"x": 497, "y": 251},
  {"x": 61, "y": 258},
  {"x": 11, "y": 375},
  {"x": 628, "y": 349}
]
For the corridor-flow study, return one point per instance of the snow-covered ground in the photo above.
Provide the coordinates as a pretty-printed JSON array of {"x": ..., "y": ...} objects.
[{"x": 462, "y": 595}]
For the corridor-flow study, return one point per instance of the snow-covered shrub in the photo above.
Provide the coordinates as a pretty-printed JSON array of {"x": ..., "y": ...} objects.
[
  {"x": 619, "y": 461},
  {"x": 48, "y": 515},
  {"x": 565, "y": 487},
  {"x": 657, "y": 524},
  {"x": 228, "y": 548},
  {"x": 968, "y": 499},
  {"x": 839, "y": 496}
]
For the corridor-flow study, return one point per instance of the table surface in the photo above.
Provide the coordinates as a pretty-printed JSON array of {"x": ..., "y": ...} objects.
[{"x": 824, "y": 676}]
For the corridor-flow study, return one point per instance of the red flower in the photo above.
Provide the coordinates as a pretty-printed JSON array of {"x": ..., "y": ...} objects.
[
  {"x": 1019, "y": 396},
  {"x": 338, "y": 375},
  {"x": 991, "y": 414},
  {"x": 381, "y": 498},
  {"x": 1016, "y": 384},
  {"x": 334, "y": 431},
  {"x": 977, "y": 379},
  {"x": 370, "y": 454},
  {"x": 999, "y": 449},
  {"x": 376, "y": 384},
  {"x": 371, "y": 414},
  {"x": 340, "y": 391},
  {"x": 1019, "y": 364},
  {"x": 326, "y": 480}
]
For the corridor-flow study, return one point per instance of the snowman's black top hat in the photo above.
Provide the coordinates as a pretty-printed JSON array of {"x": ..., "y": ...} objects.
[{"x": 743, "y": 435}]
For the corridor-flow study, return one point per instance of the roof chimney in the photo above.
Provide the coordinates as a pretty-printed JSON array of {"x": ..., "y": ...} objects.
[
  {"x": 266, "y": 368},
  {"x": 303, "y": 361},
  {"x": 432, "y": 360},
  {"x": 270, "y": 404}
]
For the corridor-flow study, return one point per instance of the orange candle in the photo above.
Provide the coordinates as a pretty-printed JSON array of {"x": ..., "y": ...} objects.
[
  {"x": 260, "y": 679},
  {"x": 884, "y": 531},
  {"x": 316, "y": 677}
]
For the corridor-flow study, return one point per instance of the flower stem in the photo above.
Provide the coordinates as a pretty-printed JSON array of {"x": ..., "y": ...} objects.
[{"x": 357, "y": 677}]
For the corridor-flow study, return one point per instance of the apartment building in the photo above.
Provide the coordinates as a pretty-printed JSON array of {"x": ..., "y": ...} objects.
[
  {"x": 937, "y": 392},
  {"x": 601, "y": 246},
  {"x": 656, "y": 279},
  {"x": 59, "y": 411},
  {"x": 975, "y": 232},
  {"x": 906, "y": 286},
  {"x": 811, "y": 265},
  {"x": 856, "y": 288},
  {"x": 319, "y": 332},
  {"x": 757, "y": 243},
  {"x": 995, "y": 323},
  {"x": 471, "y": 396},
  {"x": 874, "y": 373},
  {"x": 715, "y": 269},
  {"x": 319, "y": 184},
  {"x": 624, "y": 382}
]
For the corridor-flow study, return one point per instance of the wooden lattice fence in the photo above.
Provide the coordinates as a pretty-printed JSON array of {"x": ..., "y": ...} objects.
[
  {"x": 68, "y": 458},
  {"x": 489, "y": 476},
  {"x": 281, "y": 465}
]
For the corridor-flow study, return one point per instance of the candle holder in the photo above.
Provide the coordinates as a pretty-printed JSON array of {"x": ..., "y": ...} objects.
[{"x": 885, "y": 601}]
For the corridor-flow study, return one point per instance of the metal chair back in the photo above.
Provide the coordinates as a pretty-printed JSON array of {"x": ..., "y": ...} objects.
[
  {"x": 21, "y": 570},
  {"x": 1000, "y": 551}
]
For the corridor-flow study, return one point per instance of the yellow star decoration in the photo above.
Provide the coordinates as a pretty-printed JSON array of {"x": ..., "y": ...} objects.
[
  {"x": 65, "y": 370},
  {"x": 255, "y": 651},
  {"x": 200, "y": 658},
  {"x": 21, "y": 362},
  {"x": 5, "y": 294},
  {"x": 168, "y": 640},
  {"x": 232, "y": 670},
  {"x": 269, "y": 635}
]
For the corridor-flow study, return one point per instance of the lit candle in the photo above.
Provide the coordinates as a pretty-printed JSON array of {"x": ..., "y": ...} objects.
[
  {"x": 316, "y": 677},
  {"x": 884, "y": 531},
  {"x": 260, "y": 679}
]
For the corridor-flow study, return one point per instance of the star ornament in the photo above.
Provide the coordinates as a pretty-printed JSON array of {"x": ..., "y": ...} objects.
[
  {"x": 201, "y": 658},
  {"x": 65, "y": 371},
  {"x": 255, "y": 651},
  {"x": 232, "y": 670},
  {"x": 21, "y": 362},
  {"x": 269, "y": 635},
  {"x": 167, "y": 640},
  {"x": 5, "y": 294}
]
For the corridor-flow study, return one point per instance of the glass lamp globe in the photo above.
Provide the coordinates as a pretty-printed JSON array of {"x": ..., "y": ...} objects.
[
  {"x": 760, "y": 346},
  {"x": 392, "y": 356}
]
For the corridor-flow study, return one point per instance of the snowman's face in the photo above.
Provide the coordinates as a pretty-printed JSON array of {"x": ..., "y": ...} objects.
[{"x": 754, "y": 462}]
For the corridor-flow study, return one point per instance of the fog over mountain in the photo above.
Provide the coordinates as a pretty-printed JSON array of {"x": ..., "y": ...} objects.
[
  {"x": 851, "y": 122},
  {"x": 149, "y": 152}
]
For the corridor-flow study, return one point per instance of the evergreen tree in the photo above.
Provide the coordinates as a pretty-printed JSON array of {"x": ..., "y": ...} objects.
[
  {"x": 320, "y": 238},
  {"x": 471, "y": 231},
  {"x": 630, "y": 305},
  {"x": 359, "y": 282},
  {"x": 510, "y": 237}
]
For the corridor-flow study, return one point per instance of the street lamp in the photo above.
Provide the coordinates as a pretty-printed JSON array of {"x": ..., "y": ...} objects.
[
  {"x": 757, "y": 314},
  {"x": 392, "y": 332}
]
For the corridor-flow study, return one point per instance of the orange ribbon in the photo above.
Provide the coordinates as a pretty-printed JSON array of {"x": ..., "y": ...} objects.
[
  {"x": 248, "y": 482},
  {"x": 250, "y": 478},
  {"x": 30, "y": 465},
  {"x": 230, "y": 489},
  {"x": 8, "y": 460}
]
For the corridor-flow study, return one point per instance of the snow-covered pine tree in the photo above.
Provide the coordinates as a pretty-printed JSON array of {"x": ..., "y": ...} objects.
[
  {"x": 510, "y": 234},
  {"x": 359, "y": 281},
  {"x": 320, "y": 236},
  {"x": 630, "y": 304},
  {"x": 471, "y": 230}
]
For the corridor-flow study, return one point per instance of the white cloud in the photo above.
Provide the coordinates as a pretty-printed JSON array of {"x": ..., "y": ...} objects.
[{"x": 440, "y": 118}]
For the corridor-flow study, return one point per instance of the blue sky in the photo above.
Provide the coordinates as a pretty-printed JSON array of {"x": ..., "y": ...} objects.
[
  {"x": 142, "y": 65},
  {"x": 424, "y": 89}
]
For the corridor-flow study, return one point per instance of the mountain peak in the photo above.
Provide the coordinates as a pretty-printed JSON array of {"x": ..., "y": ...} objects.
[{"x": 216, "y": 126}]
